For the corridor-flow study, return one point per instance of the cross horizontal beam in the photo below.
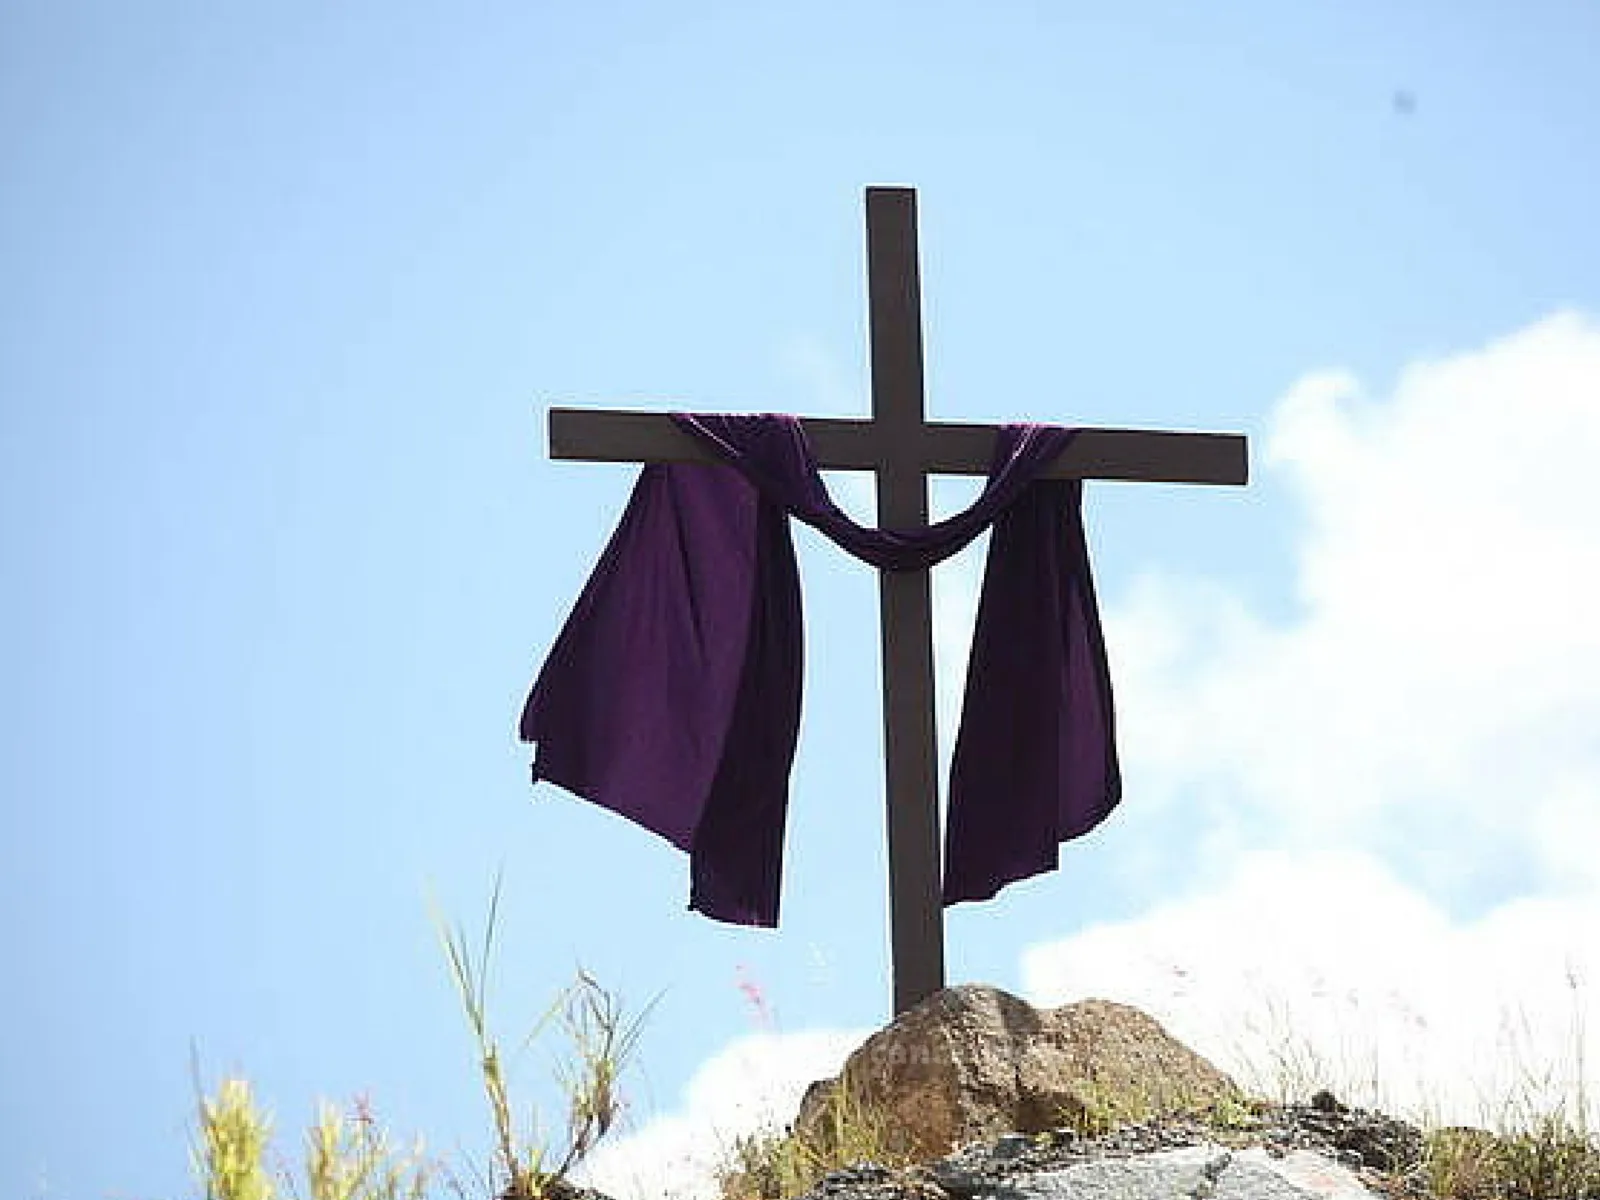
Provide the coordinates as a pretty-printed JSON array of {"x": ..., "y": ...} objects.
[{"x": 1154, "y": 456}]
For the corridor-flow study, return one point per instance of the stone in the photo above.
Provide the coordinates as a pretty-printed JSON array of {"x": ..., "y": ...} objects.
[
  {"x": 1254, "y": 1173},
  {"x": 1358, "y": 1137},
  {"x": 1191, "y": 1172},
  {"x": 1204, "y": 1172},
  {"x": 973, "y": 1062}
]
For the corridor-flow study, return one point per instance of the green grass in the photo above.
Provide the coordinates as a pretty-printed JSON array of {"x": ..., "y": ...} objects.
[
  {"x": 1532, "y": 1148},
  {"x": 774, "y": 1166}
]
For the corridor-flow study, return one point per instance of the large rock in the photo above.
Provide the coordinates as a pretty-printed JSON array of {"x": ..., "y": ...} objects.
[
  {"x": 1265, "y": 1151},
  {"x": 973, "y": 1062}
]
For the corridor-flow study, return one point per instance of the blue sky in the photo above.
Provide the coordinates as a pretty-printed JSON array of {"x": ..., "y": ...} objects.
[{"x": 288, "y": 291}]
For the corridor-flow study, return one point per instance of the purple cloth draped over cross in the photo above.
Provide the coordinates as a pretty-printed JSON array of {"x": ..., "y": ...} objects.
[{"x": 672, "y": 694}]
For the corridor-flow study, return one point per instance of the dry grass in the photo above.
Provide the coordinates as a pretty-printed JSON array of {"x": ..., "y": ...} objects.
[
  {"x": 773, "y": 1166},
  {"x": 349, "y": 1158}
]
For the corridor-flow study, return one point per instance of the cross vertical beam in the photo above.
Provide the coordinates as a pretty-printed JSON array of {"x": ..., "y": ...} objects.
[{"x": 916, "y": 913}]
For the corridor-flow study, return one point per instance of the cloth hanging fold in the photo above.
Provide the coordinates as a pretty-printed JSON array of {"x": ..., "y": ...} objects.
[{"x": 672, "y": 694}]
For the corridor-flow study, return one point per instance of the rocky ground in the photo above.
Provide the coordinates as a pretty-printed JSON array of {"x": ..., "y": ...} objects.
[{"x": 1383, "y": 1152}]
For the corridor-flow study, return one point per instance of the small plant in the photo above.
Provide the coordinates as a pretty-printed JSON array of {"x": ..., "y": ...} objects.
[
  {"x": 1102, "y": 1110},
  {"x": 601, "y": 1041},
  {"x": 1233, "y": 1111},
  {"x": 233, "y": 1140},
  {"x": 1104, "y": 1107},
  {"x": 1539, "y": 1152},
  {"x": 349, "y": 1158},
  {"x": 760, "y": 1166},
  {"x": 1461, "y": 1163},
  {"x": 773, "y": 1166},
  {"x": 340, "y": 1164},
  {"x": 345, "y": 1163},
  {"x": 1549, "y": 1161}
]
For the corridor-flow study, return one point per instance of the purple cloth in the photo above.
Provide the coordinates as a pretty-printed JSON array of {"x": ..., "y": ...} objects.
[{"x": 672, "y": 694}]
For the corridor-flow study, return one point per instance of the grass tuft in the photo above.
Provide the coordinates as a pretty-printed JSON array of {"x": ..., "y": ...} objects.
[
  {"x": 775, "y": 1166},
  {"x": 350, "y": 1158},
  {"x": 233, "y": 1140},
  {"x": 347, "y": 1158}
]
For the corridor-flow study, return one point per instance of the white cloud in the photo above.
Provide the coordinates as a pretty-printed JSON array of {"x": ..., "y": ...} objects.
[
  {"x": 1416, "y": 744},
  {"x": 753, "y": 1083},
  {"x": 1304, "y": 971},
  {"x": 1442, "y": 665}
]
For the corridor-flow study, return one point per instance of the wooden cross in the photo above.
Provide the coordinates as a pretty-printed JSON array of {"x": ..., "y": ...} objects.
[{"x": 903, "y": 449}]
